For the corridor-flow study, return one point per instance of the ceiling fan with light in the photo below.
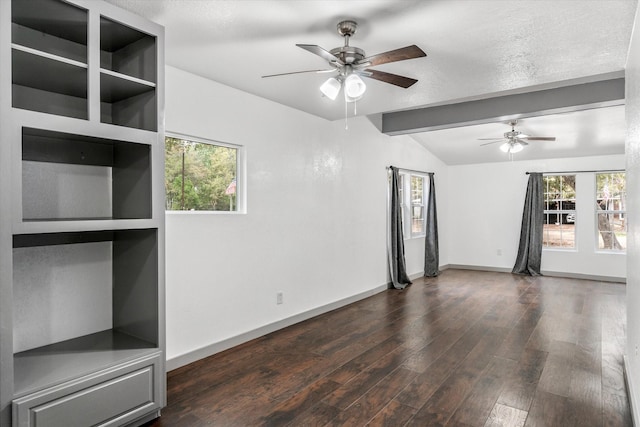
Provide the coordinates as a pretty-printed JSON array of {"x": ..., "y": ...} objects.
[
  {"x": 514, "y": 141},
  {"x": 351, "y": 64}
]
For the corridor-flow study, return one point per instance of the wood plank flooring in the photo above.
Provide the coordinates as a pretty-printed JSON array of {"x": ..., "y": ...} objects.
[{"x": 467, "y": 349}]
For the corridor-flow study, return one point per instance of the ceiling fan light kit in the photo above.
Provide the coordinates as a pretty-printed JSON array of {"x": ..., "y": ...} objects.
[
  {"x": 354, "y": 88},
  {"x": 350, "y": 63},
  {"x": 331, "y": 88},
  {"x": 511, "y": 147}
]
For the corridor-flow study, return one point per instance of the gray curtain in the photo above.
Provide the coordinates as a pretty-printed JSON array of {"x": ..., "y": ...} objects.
[
  {"x": 395, "y": 249},
  {"x": 530, "y": 248},
  {"x": 431, "y": 257}
]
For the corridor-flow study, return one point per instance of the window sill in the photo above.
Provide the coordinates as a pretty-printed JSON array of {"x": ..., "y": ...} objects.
[
  {"x": 205, "y": 212},
  {"x": 415, "y": 237},
  {"x": 610, "y": 252},
  {"x": 560, "y": 250}
]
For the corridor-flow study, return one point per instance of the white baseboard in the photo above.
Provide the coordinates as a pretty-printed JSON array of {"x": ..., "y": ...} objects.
[
  {"x": 628, "y": 380},
  {"x": 475, "y": 267},
  {"x": 209, "y": 350},
  {"x": 544, "y": 273},
  {"x": 584, "y": 276}
]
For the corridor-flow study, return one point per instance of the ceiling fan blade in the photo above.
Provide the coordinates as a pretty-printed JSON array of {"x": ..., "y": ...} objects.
[
  {"x": 489, "y": 143},
  {"x": 490, "y": 139},
  {"x": 540, "y": 138},
  {"x": 522, "y": 141},
  {"x": 404, "y": 53},
  {"x": 300, "y": 72},
  {"x": 393, "y": 79},
  {"x": 317, "y": 50}
]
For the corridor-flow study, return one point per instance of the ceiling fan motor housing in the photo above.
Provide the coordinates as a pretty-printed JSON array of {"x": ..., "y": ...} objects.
[
  {"x": 512, "y": 134},
  {"x": 348, "y": 54}
]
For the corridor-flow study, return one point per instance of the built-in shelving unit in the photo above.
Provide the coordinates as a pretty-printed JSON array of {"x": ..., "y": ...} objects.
[
  {"x": 127, "y": 76},
  {"x": 81, "y": 215},
  {"x": 49, "y": 57}
]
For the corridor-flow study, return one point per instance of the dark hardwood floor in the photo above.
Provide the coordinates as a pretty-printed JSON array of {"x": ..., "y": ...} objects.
[{"x": 467, "y": 348}]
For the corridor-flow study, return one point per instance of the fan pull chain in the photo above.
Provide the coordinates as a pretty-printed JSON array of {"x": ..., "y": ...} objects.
[
  {"x": 346, "y": 112},
  {"x": 346, "y": 115}
]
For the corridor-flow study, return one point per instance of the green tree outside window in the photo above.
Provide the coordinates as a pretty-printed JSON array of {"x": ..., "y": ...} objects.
[{"x": 199, "y": 176}]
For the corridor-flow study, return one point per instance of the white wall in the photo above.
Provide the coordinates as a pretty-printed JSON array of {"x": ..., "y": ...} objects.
[
  {"x": 485, "y": 215},
  {"x": 315, "y": 227},
  {"x": 632, "y": 110}
]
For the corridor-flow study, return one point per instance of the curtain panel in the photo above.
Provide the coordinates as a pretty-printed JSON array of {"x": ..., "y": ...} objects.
[
  {"x": 395, "y": 238},
  {"x": 431, "y": 253},
  {"x": 530, "y": 248}
]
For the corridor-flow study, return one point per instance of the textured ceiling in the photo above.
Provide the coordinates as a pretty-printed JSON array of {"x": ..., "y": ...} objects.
[{"x": 475, "y": 48}]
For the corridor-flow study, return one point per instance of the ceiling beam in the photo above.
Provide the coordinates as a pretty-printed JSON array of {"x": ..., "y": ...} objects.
[{"x": 565, "y": 99}]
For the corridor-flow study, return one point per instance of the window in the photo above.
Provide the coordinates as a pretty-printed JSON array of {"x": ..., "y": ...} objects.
[
  {"x": 611, "y": 227},
  {"x": 413, "y": 196},
  {"x": 200, "y": 175},
  {"x": 559, "y": 228},
  {"x": 417, "y": 205}
]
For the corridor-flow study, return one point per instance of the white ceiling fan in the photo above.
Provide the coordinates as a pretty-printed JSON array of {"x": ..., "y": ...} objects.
[
  {"x": 514, "y": 141},
  {"x": 349, "y": 63}
]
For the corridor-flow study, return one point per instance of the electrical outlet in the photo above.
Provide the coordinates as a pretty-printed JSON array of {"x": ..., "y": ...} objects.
[
  {"x": 279, "y": 298},
  {"x": 499, "y": 252},
  {"x": 636, "y": 349}
]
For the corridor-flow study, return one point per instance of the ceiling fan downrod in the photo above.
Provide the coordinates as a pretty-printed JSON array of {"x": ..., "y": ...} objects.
[{"x": 348, "y": 54}]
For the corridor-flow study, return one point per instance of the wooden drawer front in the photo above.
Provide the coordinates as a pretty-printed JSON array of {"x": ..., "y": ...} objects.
[{"x": 116, "y": 399}]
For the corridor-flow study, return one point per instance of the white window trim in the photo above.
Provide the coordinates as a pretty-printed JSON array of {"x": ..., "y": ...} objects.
[
  {"x": 241, "y": 177},
  {"x": 575, "y": 247},
  {"x": 598, "y": 212},
  {"x": 406, "y": 204}
]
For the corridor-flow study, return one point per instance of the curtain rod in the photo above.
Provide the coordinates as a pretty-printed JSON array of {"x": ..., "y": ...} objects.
[
  {"x": 592, "y": 171},
  {"x": 413, "y": 170}
]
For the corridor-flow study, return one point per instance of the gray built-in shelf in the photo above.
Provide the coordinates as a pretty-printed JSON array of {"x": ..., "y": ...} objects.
[
  {"x": 128, "y": 63},
  {"x": 127, "y": 101},
  {"x": 53, "y": 364},
  {"x": 48, "y": 84},
  {"x": 81, "y": 215},
  {"x": 127, "y": 51},
  {"x": 133, "y": 307},
  {"x": 59, "y": 19},
  {"x": 50, "y": 71},
  {"x": 67, "y": 176},
  {"x": 49, "y": 56}
]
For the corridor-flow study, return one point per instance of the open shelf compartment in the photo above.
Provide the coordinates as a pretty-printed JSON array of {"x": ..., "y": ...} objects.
[
  {"x": 76, "y": 177},
  {"x": 46, "y": 85},
  {"x": 128, "y": 62},
  {"x": 128, "y": 102},
  {"x": 127, "y": 51},
  {"x": 59, "y": 280},
  {"x": 50, "y": 26},
  {"x": 49, "y": 57}
]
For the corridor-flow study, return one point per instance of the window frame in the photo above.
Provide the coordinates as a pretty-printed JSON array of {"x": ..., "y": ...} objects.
[
  {"x": 562, "y": 213},
  {"x": 241, "y": 200},
  {"x": 597, "y": 212},
  {"x": 407, "y": 206}
]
